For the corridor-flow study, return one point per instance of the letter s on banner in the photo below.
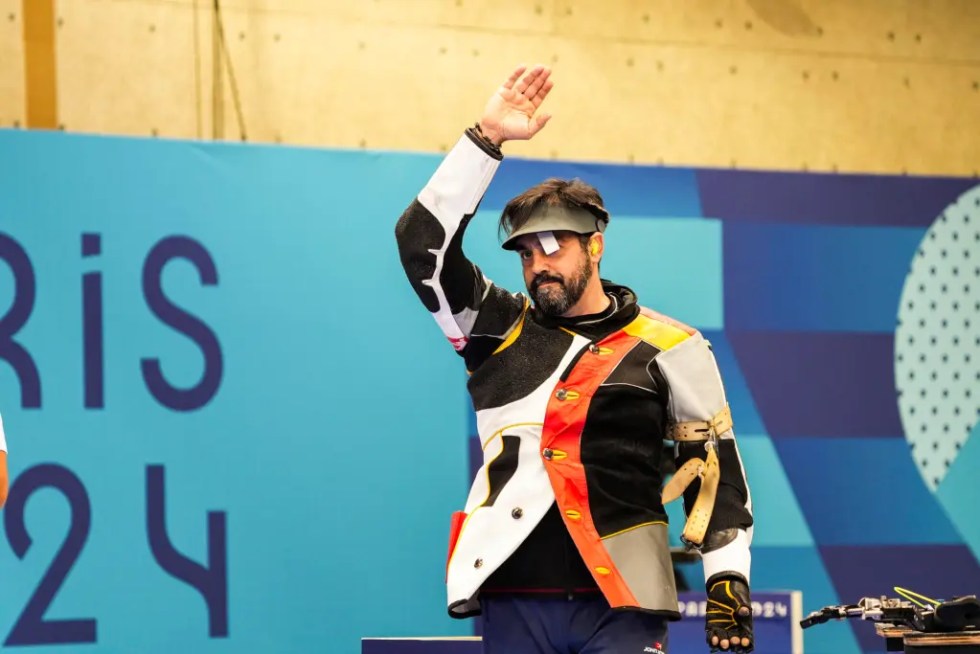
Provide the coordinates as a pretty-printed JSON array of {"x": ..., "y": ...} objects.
[{"x": 181, "y": 399}]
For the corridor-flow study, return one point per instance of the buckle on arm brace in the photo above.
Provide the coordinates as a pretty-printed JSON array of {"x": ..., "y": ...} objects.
[{"x": 707, "y": 469}]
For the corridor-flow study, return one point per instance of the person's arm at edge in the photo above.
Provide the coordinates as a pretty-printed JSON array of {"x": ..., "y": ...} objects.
[{"x": 4, "y": 480}]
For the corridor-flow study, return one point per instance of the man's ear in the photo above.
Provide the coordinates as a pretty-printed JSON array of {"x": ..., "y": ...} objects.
[{"x": 595, "y": 245}]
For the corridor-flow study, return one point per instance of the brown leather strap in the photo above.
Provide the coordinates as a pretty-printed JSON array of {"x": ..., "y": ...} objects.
[
  {"x": 701, "y": 430},
  {"x": 699, "y": 517},
  {"x": 683, "y": 478},
  {"x": 708, "y": 470},
  {"x": 697, "y": 520}
]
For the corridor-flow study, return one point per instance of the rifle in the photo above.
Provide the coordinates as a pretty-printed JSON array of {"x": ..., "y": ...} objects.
[{"x": 927, "y": 616}]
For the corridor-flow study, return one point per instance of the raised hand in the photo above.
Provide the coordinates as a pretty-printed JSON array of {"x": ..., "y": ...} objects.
[{"x": 510, "y": 112}]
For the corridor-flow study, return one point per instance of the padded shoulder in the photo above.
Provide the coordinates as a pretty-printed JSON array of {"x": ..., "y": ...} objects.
[
  {"x": 650, "y": 313},
  {"x": 659, "y": 330}
]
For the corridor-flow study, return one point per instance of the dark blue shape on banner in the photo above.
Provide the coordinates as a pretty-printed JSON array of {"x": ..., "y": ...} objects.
[
  {"x": 181, "y": 399},
  {"x": 211, "y": 582},
  {"x": 815, "y": 278},
  {"x": 827, "y": 199},
  {"x": 92, "y": 328},
  {"x": 821, "y": 384},
  {"x": 31, "y": 628},
  {"x": 16, "y": 317}
]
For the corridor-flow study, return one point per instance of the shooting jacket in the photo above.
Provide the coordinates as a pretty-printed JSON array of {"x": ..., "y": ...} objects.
[{"x": 568, "y": 415}]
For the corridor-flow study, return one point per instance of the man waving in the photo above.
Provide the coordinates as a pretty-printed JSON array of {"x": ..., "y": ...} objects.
[{"x": 563, "y": 543}]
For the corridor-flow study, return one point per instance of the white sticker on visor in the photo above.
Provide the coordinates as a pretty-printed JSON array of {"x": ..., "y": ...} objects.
[{"x": 548, "y": 242}]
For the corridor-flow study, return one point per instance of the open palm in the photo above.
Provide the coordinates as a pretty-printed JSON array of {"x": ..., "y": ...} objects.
[{"x": 510, "y": 112}]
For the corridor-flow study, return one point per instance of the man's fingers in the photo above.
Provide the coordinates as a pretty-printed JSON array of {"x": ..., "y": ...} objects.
[
  {"x": 745, "y": 611},
  {"x": 516, "y": 75},
  {"x": 529, "y": 78},
  {"x": 537, "y": 83},
  {"x": 538, "y": 122},
  {"x": 734, "y": 643},
  {"x": 542, "y": 94}
]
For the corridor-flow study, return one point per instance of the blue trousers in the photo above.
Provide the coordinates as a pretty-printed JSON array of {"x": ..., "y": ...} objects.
[{"x": 516, "y": 624}]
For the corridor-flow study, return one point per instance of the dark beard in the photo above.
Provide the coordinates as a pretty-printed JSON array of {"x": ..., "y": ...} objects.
[{"x": 554, "y": 300}]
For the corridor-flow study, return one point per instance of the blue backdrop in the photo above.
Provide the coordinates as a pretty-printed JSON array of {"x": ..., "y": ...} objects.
[{"x": 232, "y": 427}]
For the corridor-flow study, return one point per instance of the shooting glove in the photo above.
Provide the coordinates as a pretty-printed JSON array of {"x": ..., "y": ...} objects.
[{"x": 728, "y": 621}]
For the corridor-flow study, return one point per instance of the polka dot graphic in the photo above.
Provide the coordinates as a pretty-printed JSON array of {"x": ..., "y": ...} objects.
[{"x": 937, "y": 340}]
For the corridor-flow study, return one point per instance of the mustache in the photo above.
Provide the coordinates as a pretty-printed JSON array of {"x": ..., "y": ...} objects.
[{"x": 545, "y": 277}]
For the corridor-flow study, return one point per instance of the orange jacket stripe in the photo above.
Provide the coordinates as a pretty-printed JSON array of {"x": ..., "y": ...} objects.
[{"x": 562, "y": 431}]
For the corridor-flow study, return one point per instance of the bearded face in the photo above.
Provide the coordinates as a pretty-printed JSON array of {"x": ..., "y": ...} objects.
[{"x": 555, "y": 293}]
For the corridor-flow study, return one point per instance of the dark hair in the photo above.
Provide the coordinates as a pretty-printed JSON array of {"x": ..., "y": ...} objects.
[{"x": 570, "y": 193}]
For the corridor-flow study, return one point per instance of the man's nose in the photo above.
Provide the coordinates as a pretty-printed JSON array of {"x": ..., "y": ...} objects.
[{"x": 539, "y": 262}]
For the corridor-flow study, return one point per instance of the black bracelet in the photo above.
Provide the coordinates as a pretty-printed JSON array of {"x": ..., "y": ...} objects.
[{"x": 483, "y": 137}]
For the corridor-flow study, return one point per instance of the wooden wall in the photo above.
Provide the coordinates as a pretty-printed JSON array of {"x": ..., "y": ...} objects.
[{"x": 849, "y": 85}]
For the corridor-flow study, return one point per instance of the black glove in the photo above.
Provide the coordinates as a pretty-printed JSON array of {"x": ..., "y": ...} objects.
[{"x": 728, "y": 621}]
